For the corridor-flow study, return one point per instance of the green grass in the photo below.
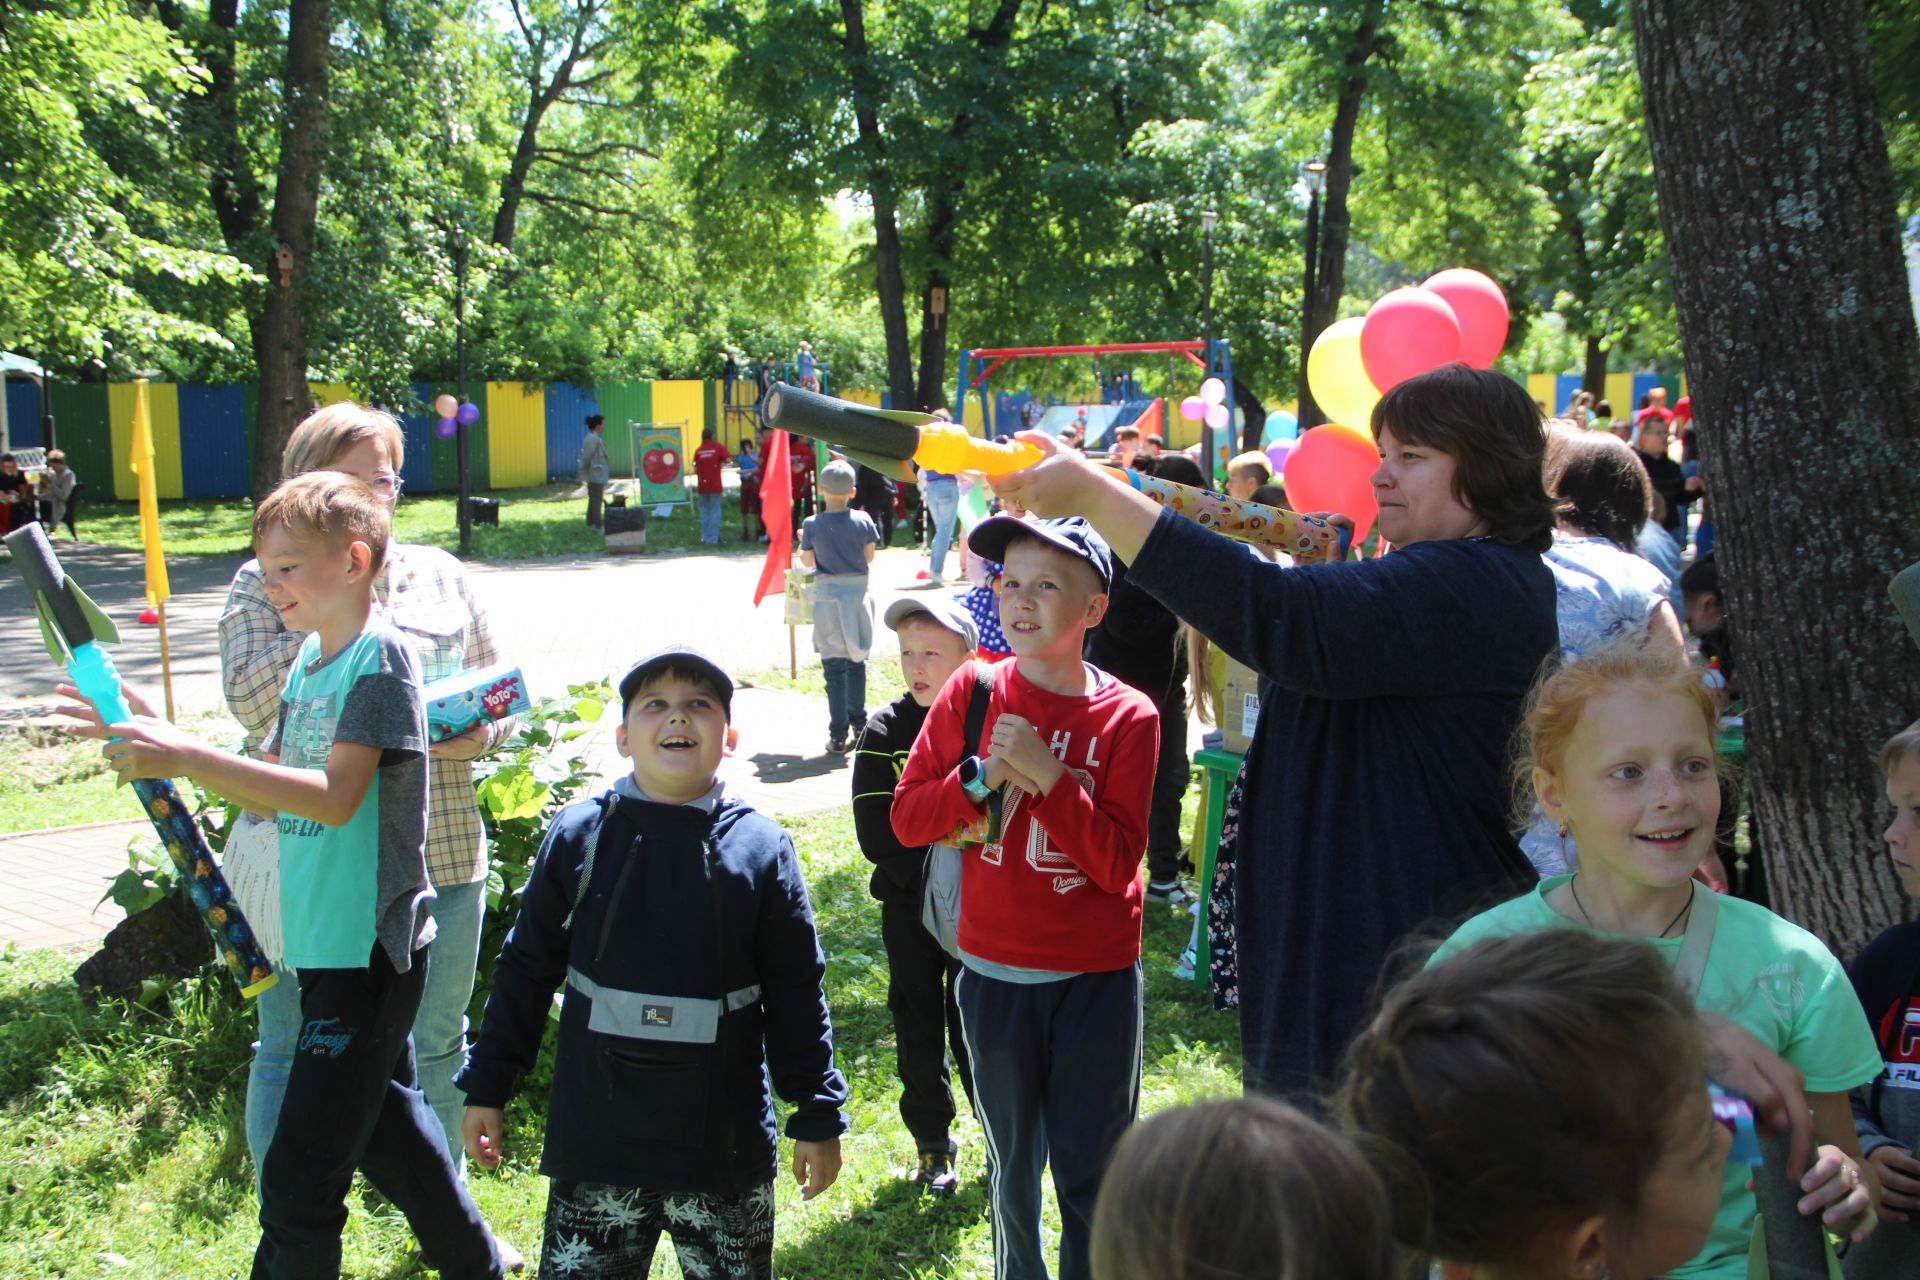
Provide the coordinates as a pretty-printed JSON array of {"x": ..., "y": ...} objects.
[
  {"x": 543, "y": 521},
  {"x": 884, "y": 681},
  {"x": 54, "y": 779},
  {"x": 122, "y": 1137}
]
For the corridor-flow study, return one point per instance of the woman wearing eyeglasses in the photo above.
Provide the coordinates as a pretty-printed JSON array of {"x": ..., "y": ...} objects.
[{"x": 425, "y": 593}]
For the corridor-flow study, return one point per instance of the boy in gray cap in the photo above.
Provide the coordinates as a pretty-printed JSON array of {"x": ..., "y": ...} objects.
[
  {"x": 937, "y": 637},
  {"x": 838, "y": 545}
]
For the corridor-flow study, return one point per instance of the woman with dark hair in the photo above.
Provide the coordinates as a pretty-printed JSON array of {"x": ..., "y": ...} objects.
[
  {"x": 1375, "y": 788},
  {"x": 1606, "y": 590}
]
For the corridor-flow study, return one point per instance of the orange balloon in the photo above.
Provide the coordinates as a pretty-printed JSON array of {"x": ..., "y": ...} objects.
[{"x": 1331, "y": 469}]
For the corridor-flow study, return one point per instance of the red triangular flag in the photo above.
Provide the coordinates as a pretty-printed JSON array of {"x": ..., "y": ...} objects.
[{"x": 776, "y": 516}]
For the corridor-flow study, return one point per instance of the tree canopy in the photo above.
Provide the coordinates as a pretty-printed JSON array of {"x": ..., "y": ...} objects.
[{"x": 636, "y": 188}]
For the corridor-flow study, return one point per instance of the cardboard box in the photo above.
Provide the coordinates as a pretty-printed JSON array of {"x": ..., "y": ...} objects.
[{"x": 1239, "y": 707}]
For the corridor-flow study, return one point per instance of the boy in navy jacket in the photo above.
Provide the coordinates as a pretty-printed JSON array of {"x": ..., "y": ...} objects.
[{"x": 678, "y": 920}]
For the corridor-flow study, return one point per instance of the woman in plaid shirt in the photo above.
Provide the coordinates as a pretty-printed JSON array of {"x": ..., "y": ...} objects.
[{"x": 425, "y": 594}]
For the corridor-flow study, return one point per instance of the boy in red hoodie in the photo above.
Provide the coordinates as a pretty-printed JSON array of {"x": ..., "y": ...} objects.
[{"x": 1049, "y": 992}]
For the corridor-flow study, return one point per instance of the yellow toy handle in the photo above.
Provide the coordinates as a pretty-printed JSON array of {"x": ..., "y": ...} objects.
[{"x": 946, "y": 447}]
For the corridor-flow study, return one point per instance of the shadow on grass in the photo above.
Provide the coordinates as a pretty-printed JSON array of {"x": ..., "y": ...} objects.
[{"x": 899, "y": 1230}]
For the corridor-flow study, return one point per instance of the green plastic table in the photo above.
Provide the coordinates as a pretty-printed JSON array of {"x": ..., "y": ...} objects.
[{"x": 1218, "y": 768}]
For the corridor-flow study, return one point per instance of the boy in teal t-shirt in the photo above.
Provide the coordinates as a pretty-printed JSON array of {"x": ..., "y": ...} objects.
[{"x": 349, "y": 784}]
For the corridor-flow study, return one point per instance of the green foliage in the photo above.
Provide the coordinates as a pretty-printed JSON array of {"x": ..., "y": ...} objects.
[
  {"x": 539, "y": 770},
  {"x": 90, "y": 270}
]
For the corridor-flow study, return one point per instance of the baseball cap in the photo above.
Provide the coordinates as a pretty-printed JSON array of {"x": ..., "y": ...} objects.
[
  {"x": 675, "y": 656},
  {"x": 837, "y": 478},
  {"x": 945, "y": 610},
  {"x": 1072, "y": 534}
]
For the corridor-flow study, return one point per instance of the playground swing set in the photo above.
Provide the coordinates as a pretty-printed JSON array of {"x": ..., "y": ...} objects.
[{"x": 1120, "y": 400}]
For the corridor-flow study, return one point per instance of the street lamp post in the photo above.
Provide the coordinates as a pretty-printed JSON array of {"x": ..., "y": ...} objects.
[
  {"x": 1315, "y": 176},
  {"x": 460, "y": 375},
  {"x": 1208, "y": 221}
]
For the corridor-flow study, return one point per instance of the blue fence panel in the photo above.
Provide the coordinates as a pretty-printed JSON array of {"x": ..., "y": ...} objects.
[
  {"x": 213, "y": 441},
  {"x": 1563, "y": 388},
  {"x": 416, "y": 428},
  {"x": 23, "y": 415},
  {"x": 1642, "y": 384},
  {"x": 567, "y": 410}
]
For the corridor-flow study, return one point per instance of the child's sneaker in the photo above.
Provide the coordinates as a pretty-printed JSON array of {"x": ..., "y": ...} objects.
[
  {"x": 934, "y": 1170},
  {"x": 837, "y": 745},
  {"x": 1167, "y": 892}
]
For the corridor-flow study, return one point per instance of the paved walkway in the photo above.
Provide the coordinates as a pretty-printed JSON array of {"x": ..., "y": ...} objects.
[{"x": 561, "y": 621}]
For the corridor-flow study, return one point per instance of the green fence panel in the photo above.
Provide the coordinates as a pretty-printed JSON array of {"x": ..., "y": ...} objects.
[
  {"x": 84, "y": 432},
  {"x": 623, "y": 403}
]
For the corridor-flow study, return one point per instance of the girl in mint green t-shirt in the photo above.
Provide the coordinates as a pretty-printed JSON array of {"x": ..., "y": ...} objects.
[{"x": 1622, "y": 760}]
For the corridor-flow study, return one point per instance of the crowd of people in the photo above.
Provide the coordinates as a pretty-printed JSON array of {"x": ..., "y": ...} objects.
[{"x": 1499, "y": 1015}]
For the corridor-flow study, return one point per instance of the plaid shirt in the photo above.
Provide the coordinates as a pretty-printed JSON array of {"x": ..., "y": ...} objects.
[{"x": 424, "y": 594}]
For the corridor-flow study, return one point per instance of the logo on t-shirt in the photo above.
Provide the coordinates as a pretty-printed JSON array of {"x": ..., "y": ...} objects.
[
  {"x": 656, "y": 1015},
  {"x": 1781, "y": 987},
  {"x": 308, "y": 738},
  {"x": 1899, "y": 1036}
]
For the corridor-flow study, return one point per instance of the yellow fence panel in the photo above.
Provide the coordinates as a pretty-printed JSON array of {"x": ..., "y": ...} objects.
[
  {"x": 163, "y": 420},
  {"x": 516, "y": 422},
  {"x": 683, "y": 400}
]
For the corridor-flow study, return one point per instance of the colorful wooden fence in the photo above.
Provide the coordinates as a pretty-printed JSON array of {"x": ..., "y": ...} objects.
[{"x": 529, "y": 433}]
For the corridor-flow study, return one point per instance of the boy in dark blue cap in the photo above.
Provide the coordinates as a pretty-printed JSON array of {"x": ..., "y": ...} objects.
[
  {"x": 937, "y": 637},
  {"x": 1049, "y": 932},
  {"x": 678, "y": 919}
]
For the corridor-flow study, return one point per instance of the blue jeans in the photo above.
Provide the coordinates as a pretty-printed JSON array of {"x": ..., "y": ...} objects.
[
  {"x": 709, "y": 505},
  {"x": 846, "y": 696},
  {"x": 439, "y": 1029},
  {"x": 943, "y": 505}
]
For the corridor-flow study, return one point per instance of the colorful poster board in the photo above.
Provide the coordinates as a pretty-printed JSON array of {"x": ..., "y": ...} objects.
[{"x": 660, "y": 466}]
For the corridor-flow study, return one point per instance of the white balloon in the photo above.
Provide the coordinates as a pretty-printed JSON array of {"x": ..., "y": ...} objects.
[
  {"x": 1213, "y": 391},
  {"x": 1218, "y": 417}
]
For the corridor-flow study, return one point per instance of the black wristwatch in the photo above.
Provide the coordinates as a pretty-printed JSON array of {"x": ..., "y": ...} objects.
[{"x": 973, "y": 778}]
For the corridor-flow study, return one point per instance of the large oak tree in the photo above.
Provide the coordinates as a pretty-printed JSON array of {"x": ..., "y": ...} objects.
[{"x": 1777, "y": 201}]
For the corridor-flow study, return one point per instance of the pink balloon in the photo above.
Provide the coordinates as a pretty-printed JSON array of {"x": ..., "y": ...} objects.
[
  {"x": 446, "y": 405},
  {"x": 1277, "y": 454},
  {"x": 1481, "y": 309},
  {"x": 1407, "y": 333},
  {"x": 1193, "y": 408},
  {"x": 1218, "y": 416}
]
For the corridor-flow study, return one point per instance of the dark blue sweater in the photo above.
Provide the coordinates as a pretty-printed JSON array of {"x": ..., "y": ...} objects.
[
  {"x": 683, "y": 909},
  {"x": 1377, "y": 797}
]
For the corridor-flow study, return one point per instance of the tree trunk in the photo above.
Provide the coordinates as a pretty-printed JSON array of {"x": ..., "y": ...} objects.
[
  {"x": 1254, "y": 414},
  {"x": 1330, "y": 267},
  {"x": 280, "y": 339},
  {"x": 513, "y": 186},
  {"x": 889, "y": 282},
  {"x": 990, "y": 42},
  {"x": 1594, "y": 379},
  {"x": 1804, "y": 367}
]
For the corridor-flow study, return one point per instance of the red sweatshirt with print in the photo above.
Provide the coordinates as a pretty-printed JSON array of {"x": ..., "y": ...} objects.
[{"x": 1061, "y": 888}]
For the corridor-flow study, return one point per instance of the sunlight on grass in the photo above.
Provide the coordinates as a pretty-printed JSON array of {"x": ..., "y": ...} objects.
[
  {"x": 536, "y": 522},
  {"x": 121, "y": 1129}
]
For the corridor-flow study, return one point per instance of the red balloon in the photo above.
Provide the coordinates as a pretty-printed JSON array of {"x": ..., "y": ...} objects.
[
  {"x": 1406, "y": 333},
  {"x": 1683, "y": 409},
  {"x": 1331, "y": 469},
  {"x": 1480, "y": 308}
]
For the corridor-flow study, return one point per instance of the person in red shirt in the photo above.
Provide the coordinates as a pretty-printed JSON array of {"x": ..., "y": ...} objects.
[
  {"x": 707, "y": 486},
  {"x": 1049, "y": 936}
]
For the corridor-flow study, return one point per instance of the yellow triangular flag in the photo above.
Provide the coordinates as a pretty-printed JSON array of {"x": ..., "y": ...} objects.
[{"x": 141, "y": 464}]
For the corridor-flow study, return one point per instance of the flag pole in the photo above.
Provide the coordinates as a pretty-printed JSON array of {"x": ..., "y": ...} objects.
[{"x": 166, "y": 659}]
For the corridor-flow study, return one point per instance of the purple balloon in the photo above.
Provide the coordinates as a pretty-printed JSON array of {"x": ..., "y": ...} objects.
[
  {"x": 1277, "y": 454},
  {"x": 445, "y": 428},
  {"x": 468, "y": 414}
]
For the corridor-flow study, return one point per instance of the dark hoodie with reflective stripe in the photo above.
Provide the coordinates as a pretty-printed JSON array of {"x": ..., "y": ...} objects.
[{"x": 696, "y": 981}]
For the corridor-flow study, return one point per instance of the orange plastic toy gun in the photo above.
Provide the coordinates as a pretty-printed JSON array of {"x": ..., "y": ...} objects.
[{"x": 888, "y": 439}]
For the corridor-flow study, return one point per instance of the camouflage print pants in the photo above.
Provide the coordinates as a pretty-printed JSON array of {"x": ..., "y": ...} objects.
[{"x": 596, "y": 1232}]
